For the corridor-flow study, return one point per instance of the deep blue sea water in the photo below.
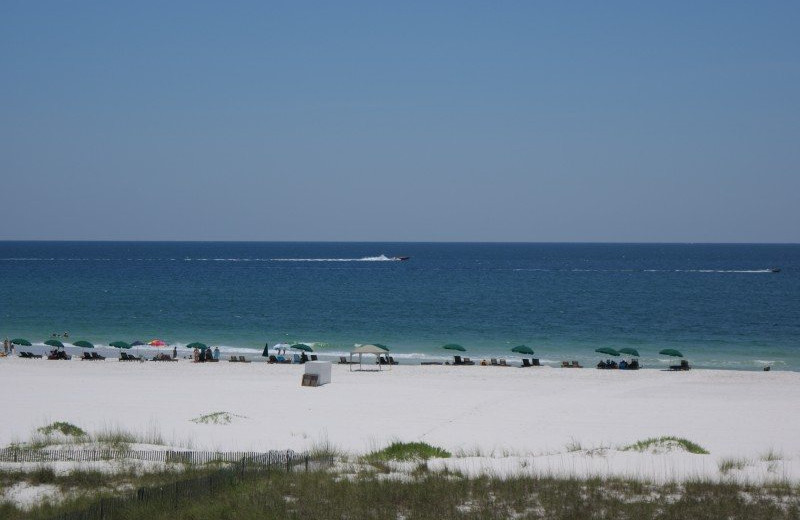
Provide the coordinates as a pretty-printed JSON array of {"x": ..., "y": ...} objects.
[{"x": 719, "y": 304}]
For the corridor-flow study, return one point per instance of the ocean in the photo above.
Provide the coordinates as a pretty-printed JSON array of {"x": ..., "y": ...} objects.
[{"x": 718, "y": 304}]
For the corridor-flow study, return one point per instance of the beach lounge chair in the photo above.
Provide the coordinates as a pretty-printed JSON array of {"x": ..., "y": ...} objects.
[
  {"x": 535, "y": 362},
  {"x": 565, "y": 364},
  {"x": 503, "y": 363},
  {"x": 683, "y": 366},
  {"x": 86, "y": 357},
  {"x": 314, "y": 357},
  {"x": 575, "y": 364},
  {"x": 468, "y": 361},
  {"x": 526, "y": 363},
  {"x": 243, "y": 360},
  {"x": 26, "y": 355},
  {"x": 457, "y": 360},
  {"x": 234, "y": 360},
  {"x": 494, "y": 362},
  {"x": 98, "y": 357}
]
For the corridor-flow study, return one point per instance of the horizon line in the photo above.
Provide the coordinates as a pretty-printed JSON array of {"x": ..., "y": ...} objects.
[{"x": 598, "y": 242}]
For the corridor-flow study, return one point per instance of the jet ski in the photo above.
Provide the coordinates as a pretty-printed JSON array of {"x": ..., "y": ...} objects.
[
  {"x": 775, "y": 270},
  {"x": 402, "y": 258}
]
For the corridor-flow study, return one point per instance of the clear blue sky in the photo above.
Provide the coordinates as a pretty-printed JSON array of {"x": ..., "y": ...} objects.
[{"x": 498, "y": 121}]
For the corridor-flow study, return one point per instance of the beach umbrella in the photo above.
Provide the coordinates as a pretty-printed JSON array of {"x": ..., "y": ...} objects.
[
  {"x": 384, "y": 347},
  {"x": 83, "y": 344},
  {"x": 454, "y": 346},
  {"x": 670, "y": 352},
  {"x": 157, "y": 343},
  {"x": 606, "y": 350},
  {"x": 21, "y": 342},
  {"x": 629, "y": 351},
  {"x": 522, "y": 349},
  {"x": 201, "y": 346},
  {"x": 119, "y": 344},
  {"x": 137, "y": 343},
  {"x": 303, "y": 347},
  {"x": 54, "y": 343}
]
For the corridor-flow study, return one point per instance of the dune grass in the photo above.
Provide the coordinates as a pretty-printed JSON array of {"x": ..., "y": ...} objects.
[
  {"x": 323, "y": 496},
  {"x": 655, "y": 442},
  {"x": 400, "y": 451},
  {"x": 729, "y": 464},
  {"x": 63, "y": 428}
]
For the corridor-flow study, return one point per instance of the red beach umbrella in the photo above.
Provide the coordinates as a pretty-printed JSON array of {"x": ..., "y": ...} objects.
[{"x": 157, "y": 343}]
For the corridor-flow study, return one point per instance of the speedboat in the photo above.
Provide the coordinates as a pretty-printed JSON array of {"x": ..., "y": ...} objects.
[
  {"x": 402, "y": 258},
  {"x": 775, "y": 270}
]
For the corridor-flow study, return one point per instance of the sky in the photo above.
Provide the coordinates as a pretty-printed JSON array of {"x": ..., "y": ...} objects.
[{"x": 400, "y": 121}]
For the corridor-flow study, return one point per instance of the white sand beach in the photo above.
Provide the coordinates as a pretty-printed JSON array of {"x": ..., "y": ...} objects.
[{"x": 499, "y": 420}]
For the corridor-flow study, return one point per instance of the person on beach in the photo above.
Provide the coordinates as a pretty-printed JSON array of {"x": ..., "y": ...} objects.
[
  {"x": 5, "y": 346},
  {"x": 174, "y": 352},
  {"x": 216, "y": 353},
  {"x": 196, "y": 355},
  {"x": 209, "y": 354}
]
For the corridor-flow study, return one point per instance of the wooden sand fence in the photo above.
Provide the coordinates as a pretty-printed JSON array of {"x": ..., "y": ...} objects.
[{"x": 164, "y": 456}]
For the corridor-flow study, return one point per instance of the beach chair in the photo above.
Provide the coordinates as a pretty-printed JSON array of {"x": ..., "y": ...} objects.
[
  {"x": 565, "y": 364},
  {"x": 234, "y": 360},
  {"x": 535, "y": 362},
  {"x": 457, "y": 360},
  {"x": 98, "y": 357},
  {"x": 392, "y": 361},
  {"x": 86, "y": 357},
  {"x": 26, "y": 355},
  {"x": 494, "y": 362},
  {"x": 575, "y": 364},
  {"x": 314, "y": 357},
  {"x": 526, "y": 363},
  {"x": 468, "y": 361},
  {"x": 503, "y": 363},
  {"x": 243, "y": 360}
]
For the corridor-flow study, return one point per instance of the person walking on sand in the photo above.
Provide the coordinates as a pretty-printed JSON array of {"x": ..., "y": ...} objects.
[{"x": 174, "y": 352}]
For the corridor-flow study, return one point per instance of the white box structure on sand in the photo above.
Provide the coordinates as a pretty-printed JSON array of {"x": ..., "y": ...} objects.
[{"x": 322, "y": 369}]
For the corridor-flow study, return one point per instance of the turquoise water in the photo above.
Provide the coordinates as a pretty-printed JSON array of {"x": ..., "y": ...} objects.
[{"x": 719, "y": 304}]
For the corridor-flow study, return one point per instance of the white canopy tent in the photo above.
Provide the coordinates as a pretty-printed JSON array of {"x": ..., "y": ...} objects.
[{"x": 367, "y": 349}]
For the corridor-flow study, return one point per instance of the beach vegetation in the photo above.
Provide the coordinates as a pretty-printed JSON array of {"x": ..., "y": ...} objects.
[
  {"x": 772, "y": 455},
  {"x": 573, "y": 445},
  {"x": 666, "y": 442},
  {"x": 217, "y": 418},
  {"x": 323, "y": 495},
  {"x": 64, "y": 428},
  {"x": 729, "y": 464},
  {"x": 399, "y": 451}
]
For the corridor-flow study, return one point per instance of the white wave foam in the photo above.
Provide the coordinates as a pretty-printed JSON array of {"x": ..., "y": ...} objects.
[{"x": 380, "y": 258}]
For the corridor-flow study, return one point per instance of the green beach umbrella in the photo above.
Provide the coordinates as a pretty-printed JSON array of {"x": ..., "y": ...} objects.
[
  {"x": 21, "y": 342},
  {"x": 522, "y": 349},
  {"x": 83, "y": 344},
  {"x": 454, "y": 346},
  {"x": 119, "y": 344},
  {"x": 380, "y": 345},
  {"x": 670, "y": 352},
  {"x": 201, "y": 346},
  {"x": 606, "y": 350},
  {"x": 54, "y": 343},
  {"x": 301, "y": 346},
  {"x": 629, "y": 351}
]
